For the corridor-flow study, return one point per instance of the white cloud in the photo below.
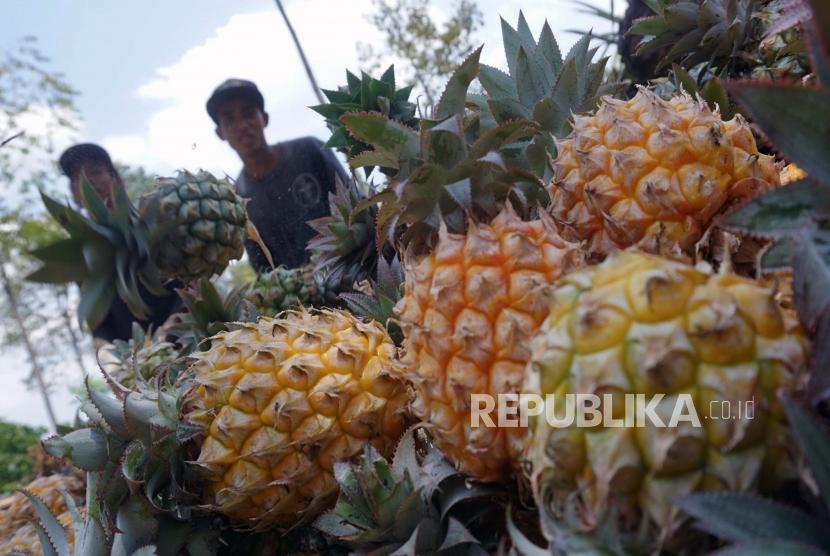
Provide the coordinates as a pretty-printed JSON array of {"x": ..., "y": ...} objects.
[
  {"x": 257, "y": 46},
  {"x": 253, "y": 46}
]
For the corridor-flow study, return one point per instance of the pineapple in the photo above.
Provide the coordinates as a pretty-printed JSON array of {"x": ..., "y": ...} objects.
[
  {"x": 468, "y": 313},
  {"x": 640, "y": 324},
  {"x": 253, "y": 427},
  {"x": 189, "y": 227},
  {"x": 463, "y": 210},
  {"x": 652, "y": 173},
  {"x": 284, "y": 288},
  {"x": 197, "y": 225},
  {"x": 138, "y": 359}
]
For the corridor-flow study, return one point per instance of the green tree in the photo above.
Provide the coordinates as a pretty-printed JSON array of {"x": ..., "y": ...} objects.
[
  {"x": 15, "y": 464},
  {"x": 428, "y": 50},
  {"x": 36, "y": 111}
]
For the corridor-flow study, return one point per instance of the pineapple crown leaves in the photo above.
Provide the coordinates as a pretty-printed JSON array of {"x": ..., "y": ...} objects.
[
  {"x": 91, "y": 538},
  {"x": 754, "y": 523},
  {"x": 368, "y": 95},
  {"x": 407, "y": 505},
  {"x": 106, "y": 251},
  {"x": 796, "y": 120},
  {"x": 344, "y": 248},
  {"x": 380, "y": 303},
  {"x": 208, "y": 313},
  {"x": 695, "y": 31},
  {"x": 542, "y": 87}
]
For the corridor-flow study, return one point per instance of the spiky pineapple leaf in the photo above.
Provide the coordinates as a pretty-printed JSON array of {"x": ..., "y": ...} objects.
[
  {"x": 86, "y": 448},
  {"x": 778, "y": 256},
  {"x": 811, "y": 274},
  {"x": 780, "y": 211},
  {"x": 796, "y": 120},
  {"x": 814, "y": 440},
  {"x": 56, "y": 540},
  {"x": 383, "y": 133},
  {"x": 497, "y": 83},
  {"x": 454, "y": 97},
  {"x": 817, "y": 30},
  {"x": 739, "y": 517}
]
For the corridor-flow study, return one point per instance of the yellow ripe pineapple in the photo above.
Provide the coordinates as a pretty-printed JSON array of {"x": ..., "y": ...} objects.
[
  {"x": 280, "y": 401},
  {"x": 652, "y": 173},
  {"x": 469, "y": 310},
  {"x": 640, "y": 324}
]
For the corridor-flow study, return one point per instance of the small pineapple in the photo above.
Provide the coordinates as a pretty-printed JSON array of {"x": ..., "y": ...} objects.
[
  {"x": 252, "y": 428},
  {"x": 640, "y": 324},
  {"x": 138, "y": 359},
  {"x": 280, "y": 401},
  {"x": 197, "y": 225},
  {"x": 283, "y": 288},
  {"x": 652, "y": 173}
]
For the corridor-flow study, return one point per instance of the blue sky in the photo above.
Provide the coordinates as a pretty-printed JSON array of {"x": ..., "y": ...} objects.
[{"x": 144, "y": 70}]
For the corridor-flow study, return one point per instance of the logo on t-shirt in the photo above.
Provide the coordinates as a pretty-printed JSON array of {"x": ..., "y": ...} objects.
[{"x": 306, "y": 190}]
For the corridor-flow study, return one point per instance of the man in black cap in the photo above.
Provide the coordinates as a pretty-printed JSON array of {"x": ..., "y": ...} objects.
[
  {"x": 94, "y": 162},
  {"x": 287, "y": 184}
]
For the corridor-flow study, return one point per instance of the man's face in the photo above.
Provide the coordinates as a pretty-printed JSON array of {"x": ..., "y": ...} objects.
[
  {"x": 242, "y": 125},
  {"x": 100, "y": 178}
]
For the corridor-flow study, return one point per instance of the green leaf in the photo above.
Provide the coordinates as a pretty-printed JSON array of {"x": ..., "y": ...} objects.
[
  {"x": 454, "y": 97},
  {"x": 811, "y": 274},
  {"x": 86, "y": 448},
  {"x": 494, "y": 139},
  {"x": 818, "y": 38},
  {"x": 445, "y": 143},
  {"x": 97, "y": 295},
  {"x": 460, "y": 193},
  {"x": 778, "y": 256},
  {"x": 715, "y": 95},
  {"x": 93, "y": 202},
  {"x": 55, "y": 535},
  {"x": 653, "y": 25},
  {"x": 135, "y": 524},
  {"x": 550, "y": 48},
  {"x": 506, "y": 109},
  {"x": 384, "y": 159},
  {"x": 813, "y": 439},
  {"x": 780, "y": 211},
  {"x": 738, "y": 517},
  {"x": 383, "y": 133},
  {"x": 57, "y": 273},
  {"x": 530, "y": 79},
  {"x": 796, "y": 119},
  {"x": 497, "y": 83}
]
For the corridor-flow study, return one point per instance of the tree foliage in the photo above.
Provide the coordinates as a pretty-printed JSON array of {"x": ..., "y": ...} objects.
[
  {"x": 15, "y": 463},
  {"x": 425, "y": 51}
]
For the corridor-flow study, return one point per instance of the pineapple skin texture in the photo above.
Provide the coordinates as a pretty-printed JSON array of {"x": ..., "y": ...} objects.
[
  {"x": 201, "y": 222},
  {"x": 280, "y": 401},
  {"x": 469, "y": 311},
  {"x": 641, "y": 324},
  {"x": 652, "y": 173}
]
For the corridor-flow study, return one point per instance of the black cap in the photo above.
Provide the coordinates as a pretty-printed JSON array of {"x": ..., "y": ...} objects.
[
  {"x": 74, "y": 156},
  {"x": 231, "y": 89}
]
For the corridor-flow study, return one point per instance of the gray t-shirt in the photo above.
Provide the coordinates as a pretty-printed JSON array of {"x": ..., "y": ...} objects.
[{"x": 281, "y": 203}]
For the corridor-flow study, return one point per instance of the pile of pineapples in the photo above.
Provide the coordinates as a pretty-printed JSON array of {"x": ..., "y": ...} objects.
[{"x": 558, "y": 234}]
